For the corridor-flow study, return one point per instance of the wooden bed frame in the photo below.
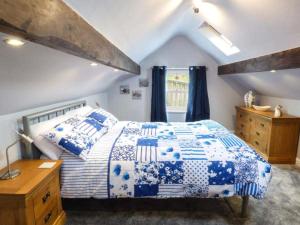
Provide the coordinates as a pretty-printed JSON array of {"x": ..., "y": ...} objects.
[{"x": 30, "y": 151}]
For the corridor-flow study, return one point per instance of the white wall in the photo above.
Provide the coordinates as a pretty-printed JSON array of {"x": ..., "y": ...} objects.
[
  {"x": 8, "y": 125},
  {"x": 178, "y": 52},
  {"x": 290, "y": 106}
]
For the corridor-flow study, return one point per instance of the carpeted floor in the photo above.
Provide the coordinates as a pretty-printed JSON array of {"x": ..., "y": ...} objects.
[{"x": 281, "y": 206}]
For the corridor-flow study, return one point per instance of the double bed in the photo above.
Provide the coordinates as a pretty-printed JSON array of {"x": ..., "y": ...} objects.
[{"x": 155, "y": 160}]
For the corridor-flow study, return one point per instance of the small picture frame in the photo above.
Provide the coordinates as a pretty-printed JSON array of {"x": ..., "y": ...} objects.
[
  {"x": 136, "y": 94},
  {"x": 124, "y": 90},
  {"x": 143, "y": 82}
]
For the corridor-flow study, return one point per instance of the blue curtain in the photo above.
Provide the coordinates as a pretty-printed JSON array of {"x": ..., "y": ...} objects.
[
  {"x": 198, "y": 103},
  {"x": 158, "y": 101}
]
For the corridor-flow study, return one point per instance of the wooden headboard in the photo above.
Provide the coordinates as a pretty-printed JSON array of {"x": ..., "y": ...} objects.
[{"x": 30, "y": 151}]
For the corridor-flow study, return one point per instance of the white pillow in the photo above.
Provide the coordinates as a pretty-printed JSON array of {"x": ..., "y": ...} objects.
[
  {"x": 37, "y": 132},
  {"x": 83, "y": 111}
]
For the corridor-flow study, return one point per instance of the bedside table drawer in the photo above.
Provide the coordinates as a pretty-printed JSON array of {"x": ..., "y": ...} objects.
[
  {"x": 49, "y": 216},
  {"x": 45, "y": 197}
]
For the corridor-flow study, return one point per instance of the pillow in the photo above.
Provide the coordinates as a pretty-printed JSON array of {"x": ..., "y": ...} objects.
[
  {"x": 82, "y": 111},
  {"x": 103, "y": 117},
  {"x": 77, "y": 135},
  {"x": 44, "y": 145},
  {"x": 37, "y": 132}
]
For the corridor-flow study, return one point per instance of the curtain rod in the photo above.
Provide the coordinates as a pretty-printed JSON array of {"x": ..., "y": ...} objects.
[{"x": 180, "y": 68}]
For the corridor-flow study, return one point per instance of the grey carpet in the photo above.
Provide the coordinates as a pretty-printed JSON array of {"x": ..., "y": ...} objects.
[{"x": 281, "y": 206}]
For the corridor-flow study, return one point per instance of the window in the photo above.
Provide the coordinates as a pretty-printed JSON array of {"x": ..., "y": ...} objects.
[{"x": 177, "y": 87}]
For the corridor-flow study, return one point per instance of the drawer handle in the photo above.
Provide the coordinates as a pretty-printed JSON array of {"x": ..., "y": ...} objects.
[
  {"x": 250, "y": 120},
  {"x": 45, "y": 198},
  {"x": 241, "y": 116},
  {"x": 256, "y": 142},
  {"x": 47, "y": 218},
  {"x": 257, "y": 133},
  {"x": 262, "y": 124},
  {"x": 242, "y": 125}
]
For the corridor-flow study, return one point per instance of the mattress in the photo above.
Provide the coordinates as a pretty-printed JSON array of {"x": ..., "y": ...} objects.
[{"x": 166, "y": 160}]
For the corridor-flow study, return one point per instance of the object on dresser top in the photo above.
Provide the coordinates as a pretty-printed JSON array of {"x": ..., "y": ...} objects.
[
  {"x": 262, "y": 108},
  {"x": 249, "y": 99},
  {"x": 11, "y": 173},
  {"x": 278, "y": 111},
  {"x": 33, "y": 197},
  {"x": 77, "y": 135},
  {"x": 276, "y": 139}
]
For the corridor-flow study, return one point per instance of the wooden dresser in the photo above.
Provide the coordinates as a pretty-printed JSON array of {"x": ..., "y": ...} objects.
[
  {"x": 33, "y": 198},
  {"x": 276, "y": 139}
]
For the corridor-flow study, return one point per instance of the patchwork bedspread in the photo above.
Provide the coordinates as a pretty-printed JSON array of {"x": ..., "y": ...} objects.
[{"x": 199, "y": 159}]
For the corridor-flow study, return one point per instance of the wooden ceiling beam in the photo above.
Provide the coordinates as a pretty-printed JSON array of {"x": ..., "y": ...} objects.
[
  {"x": 52, "y": 23},
  {"x": 289, "y": 59}
]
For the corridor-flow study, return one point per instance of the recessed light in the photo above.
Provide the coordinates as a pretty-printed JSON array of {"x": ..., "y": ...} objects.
[
  {"x": 94, "y": 64},
  {"x": 116, "y": 70},
  {"x": 14, "y": 42},
  {"x": 272, "y": 71}
]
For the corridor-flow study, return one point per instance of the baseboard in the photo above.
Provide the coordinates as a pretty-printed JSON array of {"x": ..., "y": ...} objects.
[{"x": 297, "y": 162}]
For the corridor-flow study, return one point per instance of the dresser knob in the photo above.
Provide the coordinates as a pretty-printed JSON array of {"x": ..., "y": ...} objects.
[
  {"x": 47, "y": 217},
  {"x": 45, "y": 198},
  {"x": 262, "y": 124},
  {"x": 256, "y": 142},
  {"x": 257, "y": 133}
]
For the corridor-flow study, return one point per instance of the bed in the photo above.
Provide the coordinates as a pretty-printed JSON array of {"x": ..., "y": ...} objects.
[{"x": 160, "y": 160}]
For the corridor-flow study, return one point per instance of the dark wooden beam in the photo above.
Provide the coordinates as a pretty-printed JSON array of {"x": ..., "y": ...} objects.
[
  {"x": 52, "y": 23},
  {"x": 289, "y": 59}
]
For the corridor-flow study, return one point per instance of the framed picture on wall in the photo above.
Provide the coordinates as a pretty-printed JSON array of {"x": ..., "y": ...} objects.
[
  {"x": 124, "y": 90},
  {"x": 136, "y": 94},
  {"x": 143, "y": 82}
]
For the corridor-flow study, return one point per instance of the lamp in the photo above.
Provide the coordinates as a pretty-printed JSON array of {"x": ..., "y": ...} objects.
[{"x": 10, "y": 174}]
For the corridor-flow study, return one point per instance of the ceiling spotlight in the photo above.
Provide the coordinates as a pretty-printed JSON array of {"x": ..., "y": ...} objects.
[
  {"x": 14, "y": 42},
  {"x": 94, "y": 64},
  {"x": 116, "y": 70},
  {"x": 272, "y": 71}
]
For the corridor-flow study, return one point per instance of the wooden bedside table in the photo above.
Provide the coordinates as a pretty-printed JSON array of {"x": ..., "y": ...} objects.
[{"x": 33, "y": 198}]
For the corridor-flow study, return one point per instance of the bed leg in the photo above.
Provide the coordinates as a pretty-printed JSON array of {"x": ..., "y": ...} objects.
[{"x": 244, "y": 206}]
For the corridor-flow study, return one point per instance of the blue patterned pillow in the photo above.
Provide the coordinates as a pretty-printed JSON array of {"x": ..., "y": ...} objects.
[
  {"x": 103, "y": 117},
  {"x": 77, "y": 135}
]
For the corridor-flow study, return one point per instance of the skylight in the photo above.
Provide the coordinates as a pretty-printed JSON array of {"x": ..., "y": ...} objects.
[{"x": 218, "y": 39}]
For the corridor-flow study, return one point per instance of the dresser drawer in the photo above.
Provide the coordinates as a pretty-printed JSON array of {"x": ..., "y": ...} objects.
[
  {"x": 242, "y": 134},
  {"x": 45, "y": 197},
  {"x": 259, "y": 134},
  {"x": 262, "y": 125},
  {"x": 259, "y": 144},
  {"x": 241, "y": 116},
  {"x": 49, "y": 216}
]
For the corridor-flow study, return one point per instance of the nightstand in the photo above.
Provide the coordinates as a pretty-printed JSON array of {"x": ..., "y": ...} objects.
[{"x": 33, "y": 198}]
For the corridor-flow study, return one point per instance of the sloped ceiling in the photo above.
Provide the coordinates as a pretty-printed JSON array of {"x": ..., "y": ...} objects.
[
  {"x": 256, "y": 27},
  {"x": 35, "y": 75}
]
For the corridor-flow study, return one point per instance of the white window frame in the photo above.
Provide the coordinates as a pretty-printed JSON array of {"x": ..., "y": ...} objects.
[{"x": 179, "y": 71}]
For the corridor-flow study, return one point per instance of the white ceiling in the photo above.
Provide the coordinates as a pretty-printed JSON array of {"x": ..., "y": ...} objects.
[
  {"x": 35, "y": 75},
  {"x": 256, "y": 27}
]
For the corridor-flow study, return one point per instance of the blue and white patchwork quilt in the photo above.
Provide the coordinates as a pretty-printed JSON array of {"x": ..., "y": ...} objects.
[
  {"x": 199, "y": 159},
  {"x": 166, "y": 160}
]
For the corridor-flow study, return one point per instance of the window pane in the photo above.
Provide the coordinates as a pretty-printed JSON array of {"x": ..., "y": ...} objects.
[{"x": 177, "y": 90}]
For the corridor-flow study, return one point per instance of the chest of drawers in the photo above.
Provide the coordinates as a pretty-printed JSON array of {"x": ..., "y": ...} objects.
[
  {"x": 33, "y": 198},
  {"x": 276, "y": 139}
]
